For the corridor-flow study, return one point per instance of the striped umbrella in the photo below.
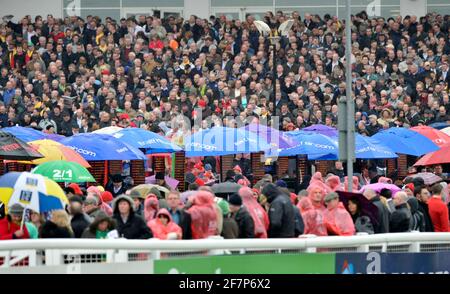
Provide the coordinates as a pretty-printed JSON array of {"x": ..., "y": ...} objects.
[
  {"x": 55, "y": 151},
  {"x": 32, "y": 191}
]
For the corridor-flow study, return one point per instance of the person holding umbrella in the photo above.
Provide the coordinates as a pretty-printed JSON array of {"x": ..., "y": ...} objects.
[{"x": 12, "y": 227}]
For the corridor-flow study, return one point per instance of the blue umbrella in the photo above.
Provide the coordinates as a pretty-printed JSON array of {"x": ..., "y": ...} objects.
[
  {"x": 439, "y": 125},
  {"x": 143, "y": 139},
  {"x": 405, "y": 141},
  {"x": 319, "y": 149},
  {"x": 312, "y": 144},
  {"x": 322, "y": 129},
  {"x": 30, "y": 134},
  {"x": 102, "y": 147},
  {"x": 223, "y": 141}
]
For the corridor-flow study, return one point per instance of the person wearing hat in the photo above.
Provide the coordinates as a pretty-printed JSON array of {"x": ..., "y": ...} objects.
[
  {"x": 80, "y": 220},
  {"x": 230, "y": 228},
  {"x": 242, "y": 217},
  {"x": 129, "y": 225},
  {"x": 116, "y": 186},
  {"x": 161, "y": 181},
  {"x": 337, "y": 219},
  {"x": 138, "y": 202},
  {"x": 11, "y": 226}
]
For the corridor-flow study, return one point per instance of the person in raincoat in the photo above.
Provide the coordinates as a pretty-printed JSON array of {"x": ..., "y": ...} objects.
[
  {"x": 312, "y": 218},
  {"x": 151, "y": 207},
  {"x": 163, "y": 227},
  {"x": 316, "y": 195},
  {"x": 257, "y": 212},
  {"x": 334, "y": 182},
  {"x": 355, "y": 183},
  {"x": 203, "y": 215},
  {"x": 10, "y": 226},
  {"x": 103, "y": 206},
  {"x": 336, "y": 217},
  {"x": 317, "y": 180}
]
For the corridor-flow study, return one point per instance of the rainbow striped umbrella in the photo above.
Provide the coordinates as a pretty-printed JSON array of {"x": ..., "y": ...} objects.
[{"x": 32, "y": 191}]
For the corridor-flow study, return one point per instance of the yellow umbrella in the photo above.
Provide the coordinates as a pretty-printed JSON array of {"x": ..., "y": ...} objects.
[{"x": 53, "y": 150}]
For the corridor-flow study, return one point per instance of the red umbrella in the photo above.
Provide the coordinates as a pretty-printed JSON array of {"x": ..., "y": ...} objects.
[
  {"x": 436, "y": 157},
  {"x": 439, "y": 138}
]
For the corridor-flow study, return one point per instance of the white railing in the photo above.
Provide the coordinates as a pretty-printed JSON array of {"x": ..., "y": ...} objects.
[{"x": 40, "y": 252}]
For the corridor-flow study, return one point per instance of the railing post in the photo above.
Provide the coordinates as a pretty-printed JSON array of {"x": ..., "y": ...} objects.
[
  {"x": 52, "y": 257},
  {"x": 414, "y": 247},
  {"x": 363, "y": 247}
]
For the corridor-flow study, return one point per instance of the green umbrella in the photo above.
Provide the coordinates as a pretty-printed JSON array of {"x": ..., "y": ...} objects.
[{"x": 64, "y": 171}]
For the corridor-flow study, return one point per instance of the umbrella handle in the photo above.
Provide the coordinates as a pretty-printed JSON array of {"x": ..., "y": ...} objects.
[{"x": 23, "y": 219}]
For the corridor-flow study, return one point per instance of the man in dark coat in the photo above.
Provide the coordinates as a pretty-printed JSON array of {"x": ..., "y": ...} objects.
[
  {"x": 179, "y": 216},
  {"x": 383, "y": 212},
  {"x": 80, "y": 221},
  {"x": 242, "y": 217},
  {"x": 423, "y": 195},
  {"x": 116, "y": 186},
  {"x": 129, "y": 225},
  {"x": 281, "y": 213},
  {"x": 400, "y": 219}
]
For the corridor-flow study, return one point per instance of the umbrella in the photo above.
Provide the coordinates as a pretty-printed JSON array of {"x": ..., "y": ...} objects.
[
  {"x": 29, "y": 134},
  {"x": 226, "y": 188},
  {"x": 322, "y": 129},
  {"x": 312, "y": 144},
  {"x": 64, "y": 172},
  {"x": 377, "y": 187},
  {"x": 367, "y": 207},
  {"x": 437, "y": 157},
  {"x": 446, "y": 131},
  {"x": 102, "y": 147},
  {"x": 439, "y": 138},
  {"x": 108, "y": 130},
  {"x": 152, "y": 142},
  {"x": 428, "y": 178},
  {"x": 171, "y": 182},
  {"x": 12, "y": 148},
  {"x": 224, "y": 141},
  {"x": 55, "y": 151},
  {"x": 276, "y": 138},
  {"x": 405, "y": 141},
  {"x": 144, "y": 190},
  {"x": 32, "y": 191},
  {"x": 369, "y": 148},
  {"x": 439, "y": 125}
]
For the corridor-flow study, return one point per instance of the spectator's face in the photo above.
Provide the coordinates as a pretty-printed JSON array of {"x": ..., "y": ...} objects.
[
  {"x": 424, "y": 195},
  {"x": 173, "y": 201},
  {"x": 124, "y": 207},
  {"x": 332, "y": 204}
]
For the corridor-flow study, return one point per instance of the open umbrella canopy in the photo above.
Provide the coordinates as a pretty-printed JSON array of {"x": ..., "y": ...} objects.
[
  {"x": 12, "y": 148},
  {"x": 369, "y": 148},
  {"x": 322, "y": 129},
  {"x": 428, "y": 178},
  {"x": 102, "y": 147},
  {"x": 224, "y": 141},
  {"x": 440, "y": 125},
  {"x": 438, "y": 157},
  {"x": 377, "y": 187},
  {"x": 32, "y": 191},
  {"x": 143, "y": 139},
  {"x": 405, "y": 141},
  {"x": 312, "y": 144},
  {"x": 64, "y": 172},
  {"x": 52, "y": 151},
  {"x": 145, "y": 189},
  {"x": 439, "y": 138},
  {"x": 276, "y": 139},
  {"x": 108, "y": 130},
  {"x": 367, "y": 207},
  {"x": 27, "y": 134}
]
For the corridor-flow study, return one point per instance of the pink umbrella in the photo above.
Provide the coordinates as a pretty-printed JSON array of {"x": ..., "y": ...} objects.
[
  {"x": 428, "y": 178},
  {"x": 377, "y": 187},
  {"x": 171, "y": 182}
]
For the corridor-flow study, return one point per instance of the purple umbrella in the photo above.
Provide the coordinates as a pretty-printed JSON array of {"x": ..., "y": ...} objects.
[
  {"x": 171, "y": 182},
  {"x": 322, "y": 129},
  {"x": 367, "y": 207},
  {"x": 276, "y": 139},
  {"x": 377, "y": 187}
]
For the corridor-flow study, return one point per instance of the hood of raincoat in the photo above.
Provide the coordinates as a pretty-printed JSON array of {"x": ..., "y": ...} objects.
[{"x": 151, "y": 207}]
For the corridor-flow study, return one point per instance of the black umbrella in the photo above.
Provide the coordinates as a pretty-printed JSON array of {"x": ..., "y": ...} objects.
[
  {"x": 367, "y": 207},
  {"x": 225, "y": 189},
  {"x": 12, "y": 148}
]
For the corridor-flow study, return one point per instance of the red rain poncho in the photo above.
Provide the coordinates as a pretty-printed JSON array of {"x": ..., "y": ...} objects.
[
  {"x": 317, "y": 180},
  {"x": 355, "y": 183},
  {"x": 203, "y": 215},
  {"x": 161, "y": 231},
  {"x": 311, "y": 190},
  {"x": 102, "y": 205},
  {"x": 151, "y": 207},
  {"x": 334, "y": 182},
  {"x": 339, "y": 222},
  {"x": 312, "y": 218},
  {"x": 258, "y": 214}
]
